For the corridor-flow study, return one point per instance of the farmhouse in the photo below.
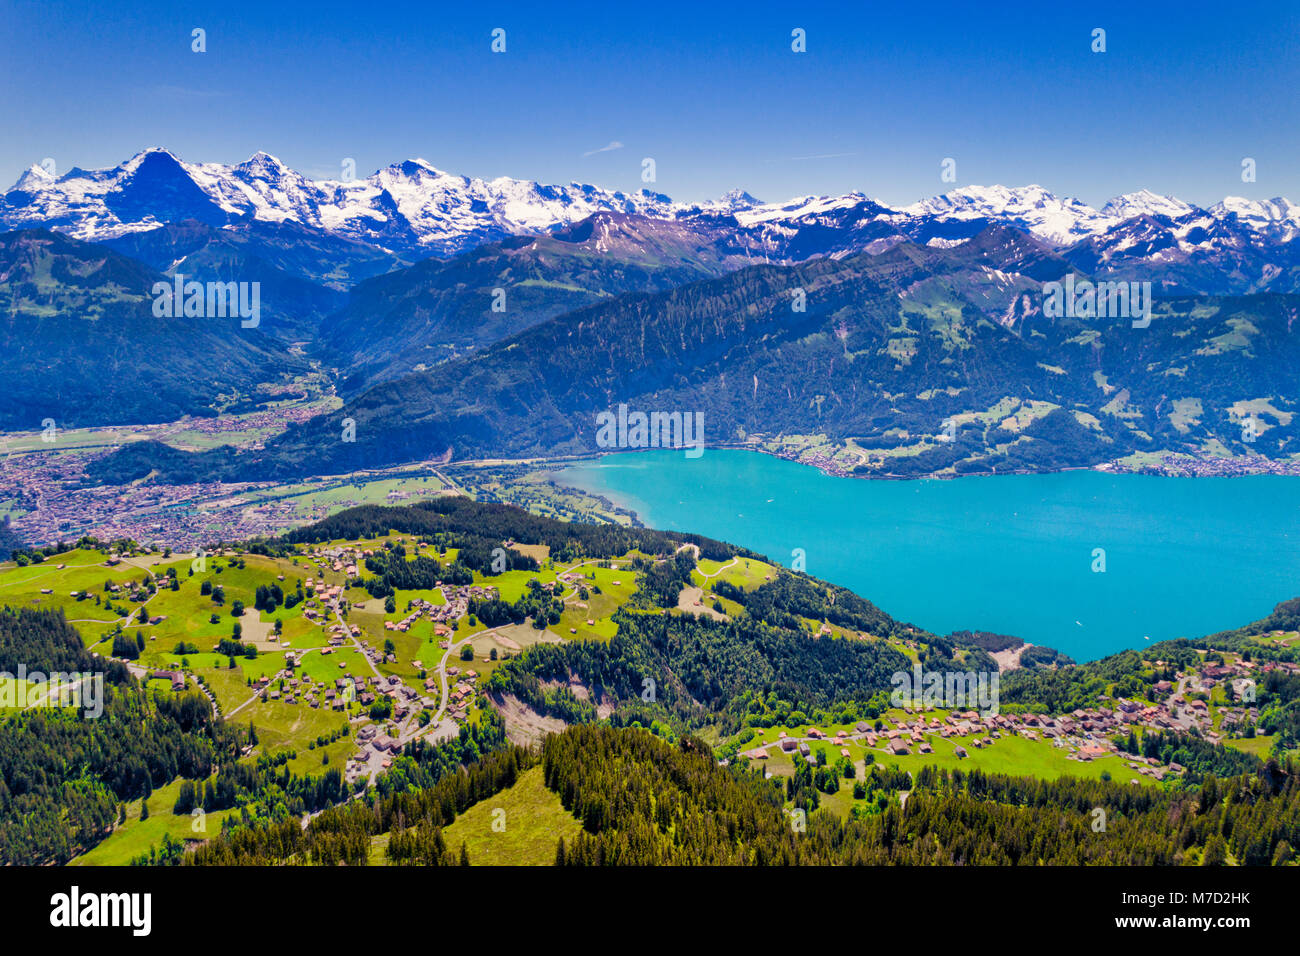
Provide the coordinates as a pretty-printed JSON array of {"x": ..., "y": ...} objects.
[{"x": 176, "y": 677}]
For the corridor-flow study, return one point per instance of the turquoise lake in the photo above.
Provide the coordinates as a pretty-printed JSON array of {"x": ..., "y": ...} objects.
[{"x": 1012, "y": 554}]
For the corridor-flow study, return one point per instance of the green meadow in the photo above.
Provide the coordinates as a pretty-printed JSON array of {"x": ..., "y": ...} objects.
[
  {"x": 529, "y": 820},
  {"x": 134, "y": 837}
]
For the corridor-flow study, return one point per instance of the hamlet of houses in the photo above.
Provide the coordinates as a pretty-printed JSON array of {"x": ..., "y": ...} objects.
[{"x": 1085, "y": 732}]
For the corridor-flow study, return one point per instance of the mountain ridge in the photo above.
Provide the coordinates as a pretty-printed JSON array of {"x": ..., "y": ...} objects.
[
  {"x": 887, "y": 349},
  {"x": 413, "y": 208}
]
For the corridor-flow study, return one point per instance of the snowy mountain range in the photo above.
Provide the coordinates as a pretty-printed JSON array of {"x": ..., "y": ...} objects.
[
  {"x": 409, "y": 207},
  {"x": 414, "y": 210}
]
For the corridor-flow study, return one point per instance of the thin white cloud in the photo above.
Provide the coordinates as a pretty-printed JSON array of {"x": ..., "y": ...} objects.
[{"x": 614, "y": 144}]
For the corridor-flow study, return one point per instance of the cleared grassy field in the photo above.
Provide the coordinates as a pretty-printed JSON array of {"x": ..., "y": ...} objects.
[
  {"x": 1260, "y": 745},
  {"x": 311, "y": 762},
  {"x": 291, "y": 726},
  {"x": 133, "y": 838},
  {"x": 534, "y": 821},
  {"x": 1012, "y": 755},
  {"x": 744, "y": 573},
  {"x": 404, "y": 491},
  {"x": 600, "y": 607},
  {"x": 513, "y": 584},
  {"x": 85, "y": 571}
]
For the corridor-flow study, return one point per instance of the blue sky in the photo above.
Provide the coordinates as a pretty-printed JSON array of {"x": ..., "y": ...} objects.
[{"x": 712, "y": 92}]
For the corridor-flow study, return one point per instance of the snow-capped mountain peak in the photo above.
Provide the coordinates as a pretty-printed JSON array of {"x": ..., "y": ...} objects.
[
  {"x": 802, "y": 208},
  {"x": 1277, "y": 216},
  {"x": 1146, "y": 203},
  {"x": 1032, "y": 207},
  {"x": 415, "y": 209},
  {"x": 35, "y": 177},
  {"x": 264, "y": 164}
]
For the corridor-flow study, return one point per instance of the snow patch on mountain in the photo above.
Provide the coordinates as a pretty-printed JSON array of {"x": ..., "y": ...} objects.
[{"x": 1059, "y": 221}]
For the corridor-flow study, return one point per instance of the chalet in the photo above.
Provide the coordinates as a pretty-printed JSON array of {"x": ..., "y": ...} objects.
[{"x": 176, "y": 677}]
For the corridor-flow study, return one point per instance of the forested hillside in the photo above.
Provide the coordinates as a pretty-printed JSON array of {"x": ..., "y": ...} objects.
[
  {"x": 642, "y": 801},
  {"x": 83, "y": 316},
  {"x": 439, "y": 310},
  {"x": 911, "y": 354},
  {"x": 64, "y": 773}
]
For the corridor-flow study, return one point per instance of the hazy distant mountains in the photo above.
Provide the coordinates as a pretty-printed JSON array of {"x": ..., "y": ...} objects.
[
  {"x": 438, "y": 310},
  {"x": 890, "y": 348},
  {"x": 304, "y": 274},
  {"x": 468, "y": 317},
  {"x": 82, "y": 344}
]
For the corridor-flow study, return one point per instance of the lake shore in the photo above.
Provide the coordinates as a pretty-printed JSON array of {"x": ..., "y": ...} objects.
[
  {"x": 1086, "y": 561},
  {"x": 1168, "y": 465}
]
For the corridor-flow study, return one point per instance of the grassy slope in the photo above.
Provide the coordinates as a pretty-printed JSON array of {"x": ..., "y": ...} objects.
[
  {"x": 534, "y": 821},
  {"x": 133, "y": 838}
]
